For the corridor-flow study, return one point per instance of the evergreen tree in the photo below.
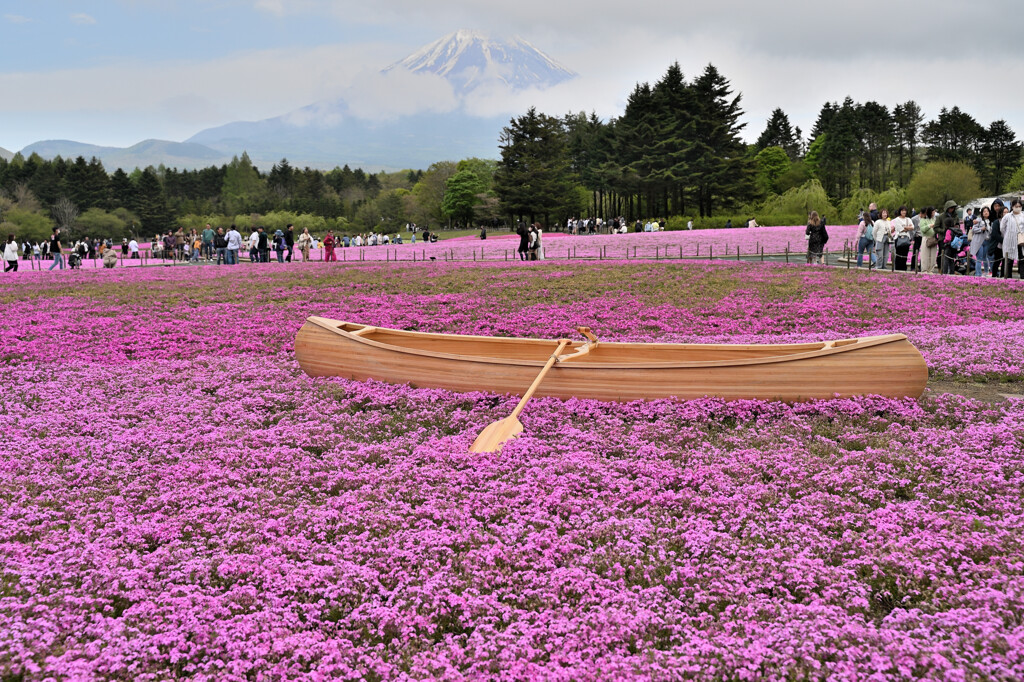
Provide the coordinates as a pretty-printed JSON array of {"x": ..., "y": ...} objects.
[
  {"x": 779, "y": 133},
  {"x": 954, "y": 136},
  {"x": 533, "y": 177},
  {"x": 151, "y": 204},
  {"x": 243, "y": 187},
  {"x": 877, "y": 133},
  {"x": 673, "y": 149},
  {"x": 722, "y": 171},
  {"x": 634, "y": 132},
  {"x": 1001, "y": 154},
  {"x": 907, "y": 120},
  {"x": 281, "y": 179},
  {"x": 122, "y": 191}
]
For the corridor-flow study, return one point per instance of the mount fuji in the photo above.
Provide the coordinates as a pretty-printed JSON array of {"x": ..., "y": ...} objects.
[
  {"x": 469, "y": 59},
  {"x": 409, "y": 115}
]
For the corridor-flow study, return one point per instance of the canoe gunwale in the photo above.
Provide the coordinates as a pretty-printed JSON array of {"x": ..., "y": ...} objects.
[{"x": 830, "y": 348}]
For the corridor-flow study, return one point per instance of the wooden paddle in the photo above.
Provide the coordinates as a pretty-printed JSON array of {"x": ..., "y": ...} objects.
[{"x": 497, "y": 433}]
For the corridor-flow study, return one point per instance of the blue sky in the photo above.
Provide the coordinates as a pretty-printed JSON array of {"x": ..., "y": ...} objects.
[{"x": 119, "y": 71}]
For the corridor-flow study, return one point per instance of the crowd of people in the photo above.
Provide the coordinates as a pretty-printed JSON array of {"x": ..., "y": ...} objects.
[{"x": 987, "y": 242}]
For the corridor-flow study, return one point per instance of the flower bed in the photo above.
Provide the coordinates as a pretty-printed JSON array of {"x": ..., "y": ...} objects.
[{"x": 180, "y": 500}]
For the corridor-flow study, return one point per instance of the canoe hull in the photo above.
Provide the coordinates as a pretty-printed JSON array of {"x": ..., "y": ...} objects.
[{"x": 893, "y": 368}]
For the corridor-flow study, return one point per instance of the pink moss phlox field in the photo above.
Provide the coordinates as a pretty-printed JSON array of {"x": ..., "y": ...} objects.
[
  {"x": 500, "y": 245},
  {"x": 178, "y": 500}
]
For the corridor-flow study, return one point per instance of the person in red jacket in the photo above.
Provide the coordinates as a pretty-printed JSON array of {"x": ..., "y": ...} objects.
[{"x": 329, "y": 248}]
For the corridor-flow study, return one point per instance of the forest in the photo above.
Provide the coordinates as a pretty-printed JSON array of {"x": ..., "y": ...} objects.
[{"x": 677, "y": 152}]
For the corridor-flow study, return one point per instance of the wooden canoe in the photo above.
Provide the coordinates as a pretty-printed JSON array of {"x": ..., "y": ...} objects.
[{"x": 876, "y": 365}]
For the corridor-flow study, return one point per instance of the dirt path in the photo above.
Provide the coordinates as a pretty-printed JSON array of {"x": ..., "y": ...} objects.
[{"x": 992, "y": 392}]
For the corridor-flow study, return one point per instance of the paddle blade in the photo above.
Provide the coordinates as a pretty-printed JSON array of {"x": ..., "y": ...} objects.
[{"x": 496, "y": 434}]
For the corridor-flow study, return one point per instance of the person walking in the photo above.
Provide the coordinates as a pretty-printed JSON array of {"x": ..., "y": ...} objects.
[
  {"x": 817, "y": 235},
  {"x": 254, "y": 246},
  {"x": 903, "y": 237},
  {"x": 980, "y": 232},
  {"x": 11, "y": 254},
  {"x": 304, "y": 242},
  {"x": 865, "y": 240},
  {"x": 1012, "y": 227},
  {"x": 234, "y": 239},
  {"x": 55, "y": 251},
  {"x": 524, "y": 241},
  {"x": 289, "y": 241},
  {"x": 882, "y": 234}
]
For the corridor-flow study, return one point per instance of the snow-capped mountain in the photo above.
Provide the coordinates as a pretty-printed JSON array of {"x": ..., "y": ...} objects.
[{"x": 468, "y": 59}]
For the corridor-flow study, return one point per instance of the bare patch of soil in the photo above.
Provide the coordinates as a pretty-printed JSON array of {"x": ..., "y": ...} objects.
[{"x": 989, "y": 392}]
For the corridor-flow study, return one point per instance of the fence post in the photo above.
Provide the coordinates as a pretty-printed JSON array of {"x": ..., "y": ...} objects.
[
  {"x": 787, "y": 252},
  {"x": 711, "y": 251}
]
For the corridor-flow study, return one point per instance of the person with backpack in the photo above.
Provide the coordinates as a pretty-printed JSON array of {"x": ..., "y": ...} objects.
[{"x": 865, "y": 240}]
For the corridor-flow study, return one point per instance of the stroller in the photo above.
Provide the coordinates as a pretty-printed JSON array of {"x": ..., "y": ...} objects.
[
  {"x": 74, "y": 261},
  {"x": 963, "y": 262}
]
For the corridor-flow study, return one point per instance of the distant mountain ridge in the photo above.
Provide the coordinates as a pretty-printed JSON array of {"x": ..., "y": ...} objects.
[
  {"x": 328, "y": 134},
  {"x": 4, "y": 154}
]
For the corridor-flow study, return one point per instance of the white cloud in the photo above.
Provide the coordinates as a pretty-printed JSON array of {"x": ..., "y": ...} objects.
[
  {"x": 16, "y": 19},
  {"x": 375, "y": 95},
  {"x": 82, "y": 19}
]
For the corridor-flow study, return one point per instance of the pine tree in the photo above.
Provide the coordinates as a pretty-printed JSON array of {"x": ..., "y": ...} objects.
[
  {"x": 151, "y": 204},
  {"x": 722, "y": 171},
  {"x": 907, "y": 119},
  {"x": 778, "y": 133},
  {"x": 1001, "y": 154},
  {"x": 533, "y": 177}
]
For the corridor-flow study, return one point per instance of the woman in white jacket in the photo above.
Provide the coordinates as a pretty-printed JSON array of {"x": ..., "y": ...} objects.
[
  {"x": 11, "y": 254},
  {"x": 883, "y": 238},
  {"x": 902, "y": 236},
  {"x": 1013, "y": 240}
]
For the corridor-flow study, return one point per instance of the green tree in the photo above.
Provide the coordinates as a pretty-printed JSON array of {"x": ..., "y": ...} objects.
[
  {"x": 907, "y": 120},
  {"x": 772, "y": 163},
  {"x": 463, "y": 191},
  {"x": 151, "y": 204},
  {"x": 1015, "y": 183},
  {"x": 243, "y": 188},
  {"x": 1001, "y": 153},
  {"x": 937, "y": 182},
  {"x": 720, "y": 168},
  {"x": 533, "y": 177},
  {"x": 779, "y": 133},
  {"x": 425, "y": 204},
  {"x": 954, "y": 136}
]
